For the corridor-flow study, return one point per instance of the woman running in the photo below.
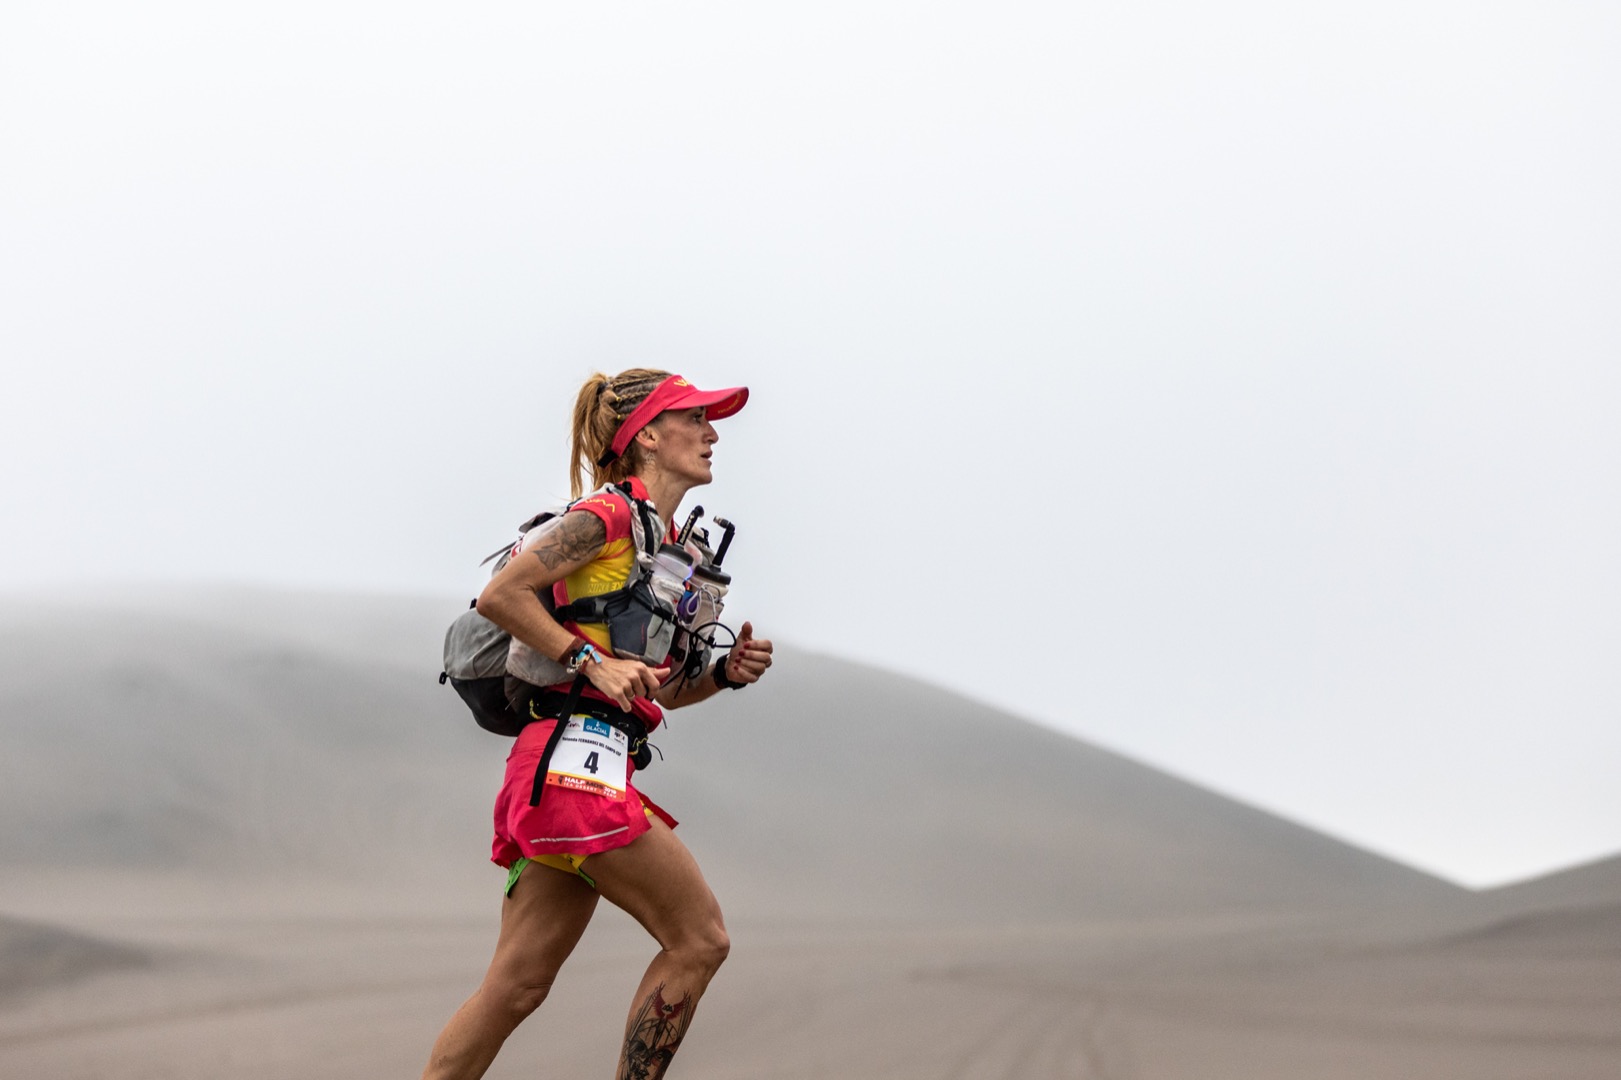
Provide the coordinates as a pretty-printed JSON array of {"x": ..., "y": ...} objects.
[{"x": 569, "y": 824}]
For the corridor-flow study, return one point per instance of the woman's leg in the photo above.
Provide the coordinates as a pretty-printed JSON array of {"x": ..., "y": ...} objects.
[
  {"x": 656, "y": 880},
  {"x": 541, "y": 922}
]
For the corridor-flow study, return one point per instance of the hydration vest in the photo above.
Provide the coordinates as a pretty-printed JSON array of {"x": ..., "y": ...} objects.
[{"x": 641, "y": 626}]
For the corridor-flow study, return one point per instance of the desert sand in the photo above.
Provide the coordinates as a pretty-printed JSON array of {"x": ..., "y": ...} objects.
[{"x": 245, "y": 834}]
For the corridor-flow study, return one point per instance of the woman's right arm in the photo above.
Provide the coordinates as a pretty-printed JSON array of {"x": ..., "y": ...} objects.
[{"x": 512, "y": 601}]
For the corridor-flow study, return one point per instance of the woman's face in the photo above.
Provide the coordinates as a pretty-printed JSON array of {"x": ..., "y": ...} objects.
[{"x": 683, "y": 444}]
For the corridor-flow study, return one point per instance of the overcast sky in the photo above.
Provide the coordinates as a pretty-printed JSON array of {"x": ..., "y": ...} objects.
[{"x": 1234, "y": 385}]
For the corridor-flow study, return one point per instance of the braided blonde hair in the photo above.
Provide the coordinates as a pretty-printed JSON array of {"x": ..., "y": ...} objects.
[{"x": 602, "y": 405}]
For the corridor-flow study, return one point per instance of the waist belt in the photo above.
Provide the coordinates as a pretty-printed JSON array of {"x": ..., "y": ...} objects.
[{"x": 550, "y": 704}]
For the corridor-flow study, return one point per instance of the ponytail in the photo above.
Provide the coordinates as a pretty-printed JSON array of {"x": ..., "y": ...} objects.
[{"x": 599, "y": 409}]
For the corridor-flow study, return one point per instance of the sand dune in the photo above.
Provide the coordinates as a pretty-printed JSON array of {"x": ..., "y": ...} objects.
[
  {"x": 34, "y": 955},
  {"x": 248, "y": 834},
  {"x": 363, "y": 998},
  {"x": 194, "y": 740},
  {"x": 1593, "y": 883}
]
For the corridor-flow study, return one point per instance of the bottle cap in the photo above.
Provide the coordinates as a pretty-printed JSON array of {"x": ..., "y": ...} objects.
[
  {"x": 676, "y": 551},
  {"x": 674, "y": 562},
  {"x": 710, "y": 573}
]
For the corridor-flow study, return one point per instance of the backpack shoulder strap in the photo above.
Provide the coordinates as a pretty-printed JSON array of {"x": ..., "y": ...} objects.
[{"x": 644, "y": 519}]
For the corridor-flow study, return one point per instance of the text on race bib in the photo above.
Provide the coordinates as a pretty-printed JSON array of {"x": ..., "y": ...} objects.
[{"x": 591, "y": 756}]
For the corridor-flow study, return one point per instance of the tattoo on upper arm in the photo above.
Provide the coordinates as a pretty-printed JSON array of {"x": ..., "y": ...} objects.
[{"x": 578, "y": 537}]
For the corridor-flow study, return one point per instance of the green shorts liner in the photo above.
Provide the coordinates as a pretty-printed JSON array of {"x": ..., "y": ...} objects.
[{"x": 517, "y": 868}]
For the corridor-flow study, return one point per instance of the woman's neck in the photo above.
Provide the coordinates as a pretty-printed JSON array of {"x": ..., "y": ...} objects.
[{"x": 665, "y": 492}]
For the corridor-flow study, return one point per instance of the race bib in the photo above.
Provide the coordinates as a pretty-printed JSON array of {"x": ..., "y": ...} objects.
[{"x": 591, "y": 756}]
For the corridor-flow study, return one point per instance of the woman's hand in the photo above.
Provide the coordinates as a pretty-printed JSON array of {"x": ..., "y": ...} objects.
[
  {"x": 749, "y": 658},
  {"x": 744, "y": 664},
  {"x": 621, "y": 680}
]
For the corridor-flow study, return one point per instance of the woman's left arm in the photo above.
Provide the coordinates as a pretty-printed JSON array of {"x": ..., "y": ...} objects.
[{"x": 745, "y": 663}]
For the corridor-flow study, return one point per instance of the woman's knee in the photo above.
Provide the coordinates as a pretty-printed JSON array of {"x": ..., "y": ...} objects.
[
  {"x": 515, "y": 998},
  {"x": 719, "y": 945},
  {"x": 705, "y": 946}
]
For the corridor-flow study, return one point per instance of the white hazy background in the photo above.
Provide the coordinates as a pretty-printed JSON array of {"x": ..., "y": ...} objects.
[{"x": 1233, "y": 385}]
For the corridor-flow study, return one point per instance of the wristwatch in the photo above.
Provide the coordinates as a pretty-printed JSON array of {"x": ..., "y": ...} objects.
[{"x": 721, "y": 679}]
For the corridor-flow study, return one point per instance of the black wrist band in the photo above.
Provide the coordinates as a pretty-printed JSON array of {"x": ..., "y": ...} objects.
[{"x": 720, "y": 676}]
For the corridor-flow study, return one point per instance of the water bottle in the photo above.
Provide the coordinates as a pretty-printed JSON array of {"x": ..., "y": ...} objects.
[
  {"x": 710, "y": 583},
  {"x": 672, "y": 566},
  {"x": 667, "y": 581}
]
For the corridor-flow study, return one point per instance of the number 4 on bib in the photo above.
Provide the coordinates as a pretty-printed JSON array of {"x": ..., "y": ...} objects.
[{"x": 591, "y": 756}]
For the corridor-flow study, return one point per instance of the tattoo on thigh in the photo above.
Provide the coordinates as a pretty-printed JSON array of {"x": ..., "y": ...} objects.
[
  {"x": 654, "y": 1033},
  {"x": 577, "y": 537}
]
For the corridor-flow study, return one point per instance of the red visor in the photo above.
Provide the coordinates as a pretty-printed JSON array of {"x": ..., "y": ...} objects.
[{"x": 674, "y": 393}]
